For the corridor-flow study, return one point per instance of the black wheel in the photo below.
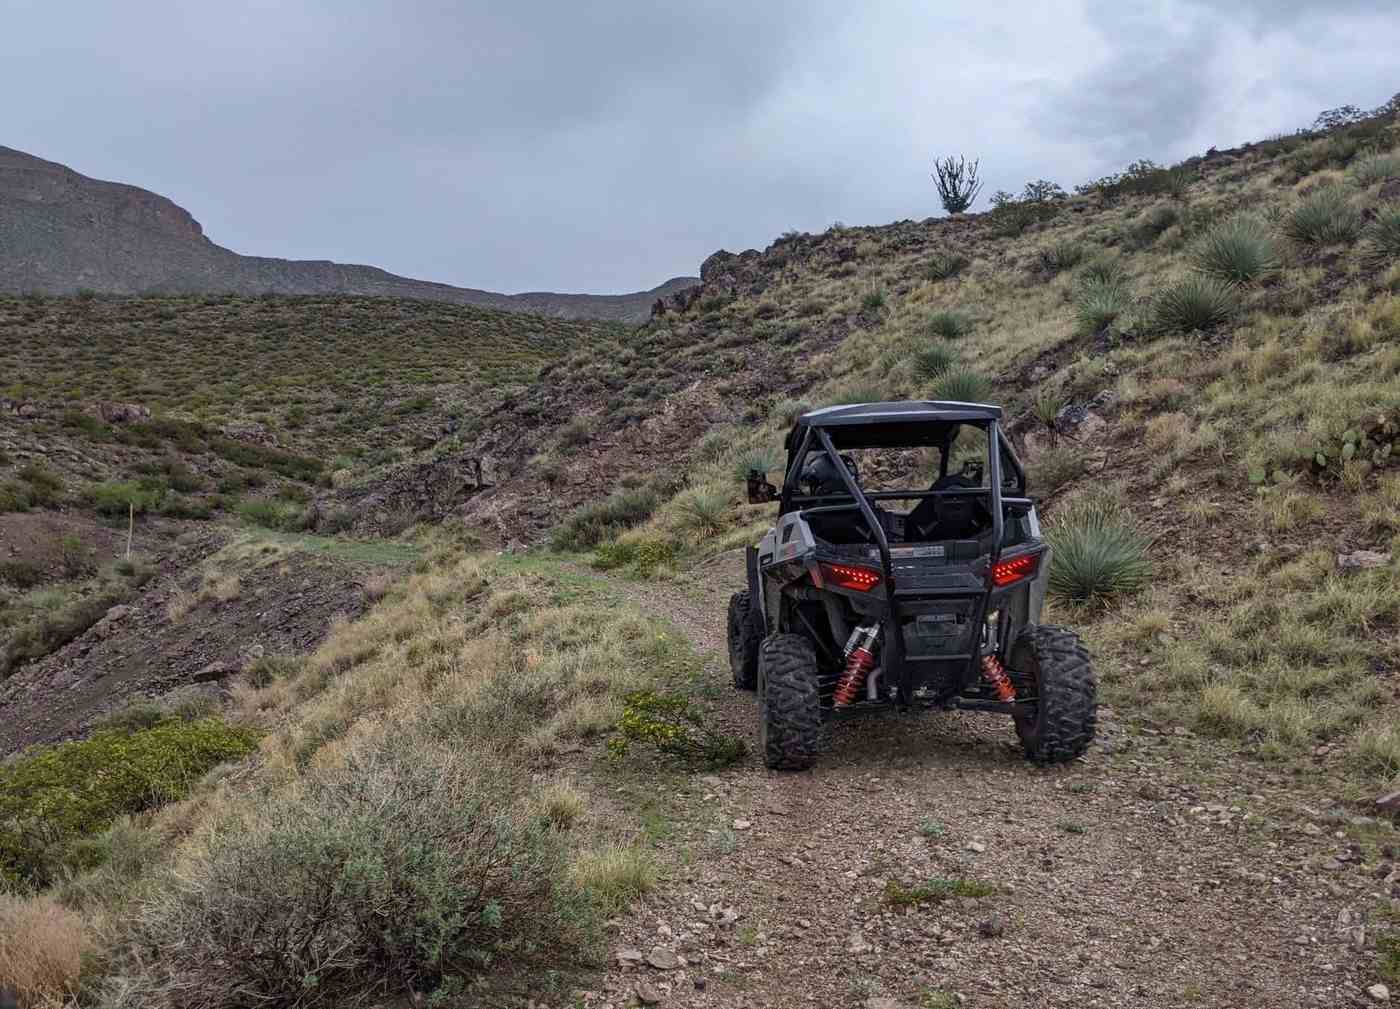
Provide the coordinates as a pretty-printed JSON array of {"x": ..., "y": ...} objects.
[
  {"x": 790, "y": 727},
  {"x": 1054, "y": 668},
  {"x": 744, "y": 638}
]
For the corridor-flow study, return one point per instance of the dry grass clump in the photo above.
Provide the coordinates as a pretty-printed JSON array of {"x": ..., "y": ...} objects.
[{"x": 42, "y": 945}]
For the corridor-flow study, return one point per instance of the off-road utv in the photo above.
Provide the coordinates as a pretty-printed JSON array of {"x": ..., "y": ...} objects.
[{"x": 853, "y": 605}]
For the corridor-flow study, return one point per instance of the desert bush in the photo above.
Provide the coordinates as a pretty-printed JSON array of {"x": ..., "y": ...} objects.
[
  {"x": 858, "y": 391},
  {"x": 934, "y": 360},
  {"x": 42, "y": 946},
  {"x": 703, "y": 511},
  {"x": 1098, "y": 552},
  {"x": 788, "y": 410},
  {"x": 1382, "y": 238},
  {"x": 575, "y": 433},
  {"x": 957, "y": 183},
  {"x": 1326, "y": 217},
  {"x": 48, "y": 632},
  {"x": 1054, "y": 468},
  {"x": 1377, "y": 168},
  {"x": 1238, "y": 251},
  {"x": 14, "y": 496},
  {"x": 52, "y": 797},
  {"x": 117, "y": 499},
  {"x": 765, "y": 460},
  {"x": 21, "y": 574},
  {"x": 1157, "y": 220},
  {"x": 948, "y": 324},
  {"x": 599, "y": 520},
  {"x": 945, "y": 265},
  {"x": 672, "y": 724},
  {"x": 962, "y": 385},
  {"x": 616, "y": 875},
  {"x": 405, "y": 871},
  {"x": 45, "y": 486},
  {"x": 1196, "y": 303},
  {"x": 873, "y": 300},
  {"x": 287, "y": 516},
  {"x": 644, "y": 556},
  {"x": 1099, "y": 303},
  {"x": 1060, "y": 256}
]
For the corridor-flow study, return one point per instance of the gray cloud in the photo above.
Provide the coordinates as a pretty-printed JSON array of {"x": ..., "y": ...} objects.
[{"x": 606, "y": 147}]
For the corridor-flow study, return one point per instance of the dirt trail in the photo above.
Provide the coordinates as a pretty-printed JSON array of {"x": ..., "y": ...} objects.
[{"x": 1157, "y": 871}]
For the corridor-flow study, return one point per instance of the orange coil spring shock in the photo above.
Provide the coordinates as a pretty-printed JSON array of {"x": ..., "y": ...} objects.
[
  {"x": 996, "y": 675},
  {"x": 860, "y": 659}
]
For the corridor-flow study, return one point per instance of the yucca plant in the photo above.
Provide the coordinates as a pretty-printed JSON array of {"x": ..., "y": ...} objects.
[
  {"x": 1098, "y": 303},
  {"x": 872, "y": 300},
  {"x": 704, "y": 510},
  {"x": 1097, "y": 550},
  {"x": 1047, "y": 408},
  {"x": 962, "y": 385},
  {"x": 1239, "y": 251},
  {"x": 857, "y": 392},
  {"x": 943, "y": 265},
  {"x": 1196, "y": 303},
  {"x": 765, "y": 460},
  {"x": 949, "y": 325},
  {"x": 1377, "y": 168},
  {"x": 1324, "y": 218},
  {"x": 934, "y": 360},
  {"x": 1383, "y": 237},
  {"x": 789, "y": 410}
]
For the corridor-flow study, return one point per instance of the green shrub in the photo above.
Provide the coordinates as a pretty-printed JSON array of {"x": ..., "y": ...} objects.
[
  {"x": 948, "y": 324},
  {"x": 268, "y": 669},
  {"x": 1377, "y": 168},
  {"x": 1324, "y": 218},
  {"x": 285, "y": 464},
  {"x": 962, "y": 385},
  {"x": 1196, "y": 303},
  {"x": 1099, "y": 303},
  {"x": 765, "y": 460},
  {"x": 52, "y": 797},
  {"x": 873, "y": 300},
  {"x": 48, "y": 632},
  {"x": 1153, "y": 223},
  {"x": 14, "y": 496},
  {"x": 1060, "y": 256},
  {"x": 21, "y": 574},
  {"x": 934, "y": 360},
  {"x": 1097, "y": 551},
  {"x": 600, "y": 520},
  {"x": 1382, "y": 239},
  {"x": 286, "y": 516},
  {"x": 45, "y": 487},
  {"x": 863, "y": 391},
  {"x": 643, "y": 556},
  {"x": 673, "y": 725},
  {"x": 1238, "y": 251},
  {"x": 398, "y": 873},
  {"x": 704, "y": 511},
  {"x": 945, "y": 265},
  {"x": 118, "y": 499}
]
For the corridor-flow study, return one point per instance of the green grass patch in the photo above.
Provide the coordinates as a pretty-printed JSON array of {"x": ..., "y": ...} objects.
[{"x": 935, "y": 890}]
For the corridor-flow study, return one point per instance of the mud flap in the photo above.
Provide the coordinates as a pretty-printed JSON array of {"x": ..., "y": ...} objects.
[{"x": 756, "y": 601}]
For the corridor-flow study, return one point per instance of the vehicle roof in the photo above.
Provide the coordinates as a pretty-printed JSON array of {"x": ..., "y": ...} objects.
[{"x": 911, "y": 411}]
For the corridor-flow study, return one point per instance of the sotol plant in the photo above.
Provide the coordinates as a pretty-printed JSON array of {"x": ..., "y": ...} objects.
[
  {"x": 934, "y": 360},
  {"x": 962, "y": 385},
  {"x": 1196, "y": 303},
  {"x": 1098, "y": 550},
  {"x": 1239, "y": 251},
  {"x": 949, "y": 324},
  {"x": 1383, "y": 237},
  {"x": 1324, "y": 218}
]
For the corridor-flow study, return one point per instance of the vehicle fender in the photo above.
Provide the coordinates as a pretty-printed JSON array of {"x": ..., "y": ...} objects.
[{"x": 755, "y": 582}]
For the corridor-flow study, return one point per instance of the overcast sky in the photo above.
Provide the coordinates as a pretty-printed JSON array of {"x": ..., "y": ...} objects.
[{"x": 606, "y": 146}]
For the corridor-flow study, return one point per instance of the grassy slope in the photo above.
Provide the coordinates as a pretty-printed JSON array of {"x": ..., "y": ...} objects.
[{"x": 1248, "y": 630}]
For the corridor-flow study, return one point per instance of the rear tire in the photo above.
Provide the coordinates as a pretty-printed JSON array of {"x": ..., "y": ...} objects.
[
  {"x": 1062, "y": 726},
  {"x": 790, "y": 729},
  {"x": 744, "y": 638}
]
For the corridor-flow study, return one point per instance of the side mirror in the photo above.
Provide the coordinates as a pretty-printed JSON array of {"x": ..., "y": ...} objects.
[{"x": 760, "y": 490}]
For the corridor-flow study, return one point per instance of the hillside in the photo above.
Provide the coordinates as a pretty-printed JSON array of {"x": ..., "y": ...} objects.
[
  {"x": 1207, "y": 354},
  {"x": 62, "y": 233}
]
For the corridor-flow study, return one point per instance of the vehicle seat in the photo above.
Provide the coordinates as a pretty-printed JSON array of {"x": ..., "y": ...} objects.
[{"x": 950, "y": 518}]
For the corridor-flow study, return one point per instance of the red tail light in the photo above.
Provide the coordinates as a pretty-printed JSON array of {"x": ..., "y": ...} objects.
[
  {"x": 848, "y": 576},
  {"x": 1009, "y": 572}
]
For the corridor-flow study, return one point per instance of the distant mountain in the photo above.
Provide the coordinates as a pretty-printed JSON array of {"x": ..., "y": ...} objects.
[{"x": 62, "y": 232}]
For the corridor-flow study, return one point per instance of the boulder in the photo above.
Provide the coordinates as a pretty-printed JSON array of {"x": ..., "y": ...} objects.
[
  {"x": 121, "y": 413},
  {"x": 1360, "y": 560}
]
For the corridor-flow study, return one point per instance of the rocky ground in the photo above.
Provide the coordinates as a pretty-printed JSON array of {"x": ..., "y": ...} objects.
[{"x": 1158, "y": 870}]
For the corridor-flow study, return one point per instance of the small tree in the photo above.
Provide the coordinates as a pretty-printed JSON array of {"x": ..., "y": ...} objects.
[{"x": 957, "y": 182}]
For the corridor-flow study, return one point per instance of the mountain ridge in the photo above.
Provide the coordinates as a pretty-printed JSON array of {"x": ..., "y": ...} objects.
[{"x": 64, "y": 232}]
